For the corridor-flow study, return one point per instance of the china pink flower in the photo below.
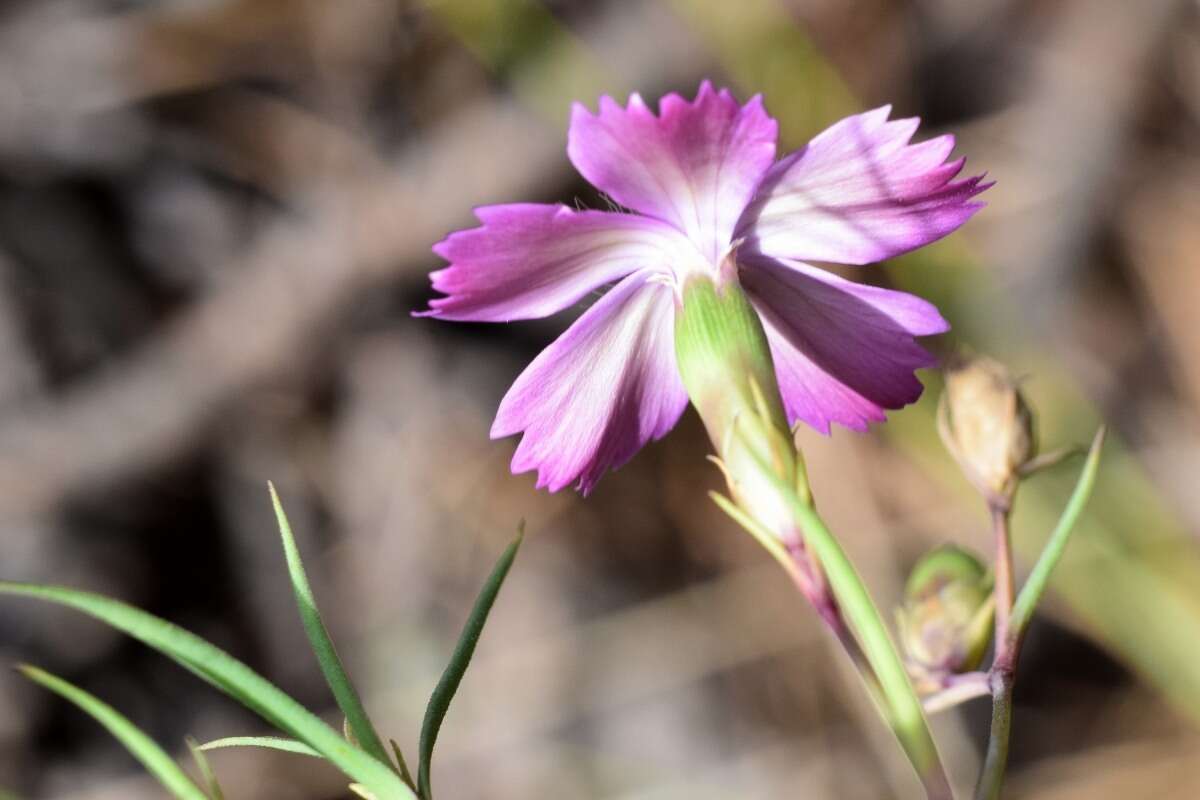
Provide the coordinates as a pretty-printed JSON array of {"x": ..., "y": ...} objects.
[{"x": 706, "y": 194}]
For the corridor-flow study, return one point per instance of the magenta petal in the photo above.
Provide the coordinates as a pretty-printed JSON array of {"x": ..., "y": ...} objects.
[
  {"x": 696, "y": 165},
  {"x": 600, "y": 391},
  {"x": 843, "y": 351},
  {"x": 531, "y": 260},
  {"x": 860, "y": 193}
]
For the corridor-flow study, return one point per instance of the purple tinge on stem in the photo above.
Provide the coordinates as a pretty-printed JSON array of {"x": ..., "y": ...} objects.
[{"x": 702, "y": 183}]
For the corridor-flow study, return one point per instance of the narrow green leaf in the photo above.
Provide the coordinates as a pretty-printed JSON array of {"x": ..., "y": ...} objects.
[
  {"x": 153, "y": 758},
  {"x": 230, "y": 676},
  {"x": 322, "y": 645},
  {"x": 1035, "y": 585},
  {"x": 268, "y": 742},
  {"x": 439, "y": 702},
  {"x": 769, "y": 541},
  {"x": 401, "y": 763},
  {"x": 206, "y": 770}
]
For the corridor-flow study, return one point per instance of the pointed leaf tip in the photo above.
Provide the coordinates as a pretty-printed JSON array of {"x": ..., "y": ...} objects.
[
  {"x": 401, "y": 763},
  {"x": 206, "y": 770},
  {"x": 439, "y": 702},
  {"x": 266, "y": 742},
  {"x": 360, "y": 731}
]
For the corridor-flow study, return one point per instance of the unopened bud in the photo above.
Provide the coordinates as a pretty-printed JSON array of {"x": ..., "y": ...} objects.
[
  {"x": 946, "y": 622},
  {"x": 986, "y": 425}
]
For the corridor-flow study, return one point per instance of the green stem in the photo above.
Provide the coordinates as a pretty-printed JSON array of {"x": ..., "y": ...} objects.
[
  {"x": 904, "y": 712},
  {"x": 828, "y": 611},
  {"x": 725, "y": 362},
  {"x": 1010, "y": 636},
  {"x": 991, "y": 779},
  {"x": 1005, "y": 583}
]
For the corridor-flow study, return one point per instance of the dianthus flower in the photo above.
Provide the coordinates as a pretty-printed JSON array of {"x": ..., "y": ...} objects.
[{"x": 705, "y": 195}]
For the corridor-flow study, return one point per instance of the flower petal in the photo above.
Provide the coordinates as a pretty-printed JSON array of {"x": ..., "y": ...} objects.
[
  {"x": 696, "y": 165},
  {"x": 600, "y": 391},
  {"x": 843, "y": 351},
  {"x": 860, "y": 193},
  {"x": 531, "y": 260}
]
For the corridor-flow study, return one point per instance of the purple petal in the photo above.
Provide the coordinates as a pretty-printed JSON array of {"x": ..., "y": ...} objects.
[
  {"x": 600, "y": 391},
  {"x": 530, "y": 260},
  {"x": 843, "y": 351},
  {"x": 696, "y": 165},
  {"x": 860, "y": 193}
]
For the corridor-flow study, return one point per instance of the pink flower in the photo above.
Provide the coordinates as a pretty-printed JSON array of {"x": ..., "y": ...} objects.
[{"x": 705, "y": 188}]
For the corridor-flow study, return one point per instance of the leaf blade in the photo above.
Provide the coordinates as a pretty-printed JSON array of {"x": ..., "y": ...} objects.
[
  {"x": 156, "y": 760},
  {"x": 267, "y": 742},
  {"x": 439, "y": 702},
  {"x": 1056, "y": 545},
  {"x": 206, "y": 770},
  {"x": 401, "y": 763},
  {"x": 230, "y": 676},
  {"x": 344, "y": 693}
]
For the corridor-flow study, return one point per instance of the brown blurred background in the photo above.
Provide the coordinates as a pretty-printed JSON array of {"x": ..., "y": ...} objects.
[{"x": 215, "y": 218}]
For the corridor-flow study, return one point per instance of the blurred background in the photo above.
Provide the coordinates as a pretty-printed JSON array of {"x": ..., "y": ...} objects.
[{"x": 215, "y": 220}]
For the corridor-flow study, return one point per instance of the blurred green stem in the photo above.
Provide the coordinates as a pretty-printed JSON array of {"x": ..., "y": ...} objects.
[
  {"x": 1005, "y": 583},
  {"x": 991, "y": 779}
]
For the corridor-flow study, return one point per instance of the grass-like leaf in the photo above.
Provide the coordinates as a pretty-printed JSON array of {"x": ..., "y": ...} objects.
[
  {"x": 268, "y": 742},
  {"x": 400, "y": 762},
  {"x": 318, "y": 637},
  {"x": 439, "y": 702},
  {"x": 230, "y": 676},
  {"x": 206, "y": 770},
  {"x": 1035, "y": 585},
  {"x": 143, "y": 748}
]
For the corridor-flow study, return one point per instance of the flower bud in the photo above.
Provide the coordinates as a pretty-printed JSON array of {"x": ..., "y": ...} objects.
[
  {"x": 725, "y": 363},
  {"x": 985, "y": 424},
  {"x": 945, "y": 624}
]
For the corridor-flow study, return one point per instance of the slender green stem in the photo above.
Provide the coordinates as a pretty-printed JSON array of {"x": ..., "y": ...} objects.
[
  {"x": 991, "y": 779},
  {"x": 901, "y": 706},
  {"x": 725, "y": 362},
  {"x": 904, "y": 711},
  {"x": 1010, "y": 636},
  {"x": 1005, "y": 585},
  {"x": 829, "y": 612}
]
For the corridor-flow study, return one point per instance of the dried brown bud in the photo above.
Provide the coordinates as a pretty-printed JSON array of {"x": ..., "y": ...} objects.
[{"x": 986, "y": 425}]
